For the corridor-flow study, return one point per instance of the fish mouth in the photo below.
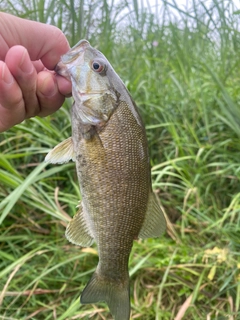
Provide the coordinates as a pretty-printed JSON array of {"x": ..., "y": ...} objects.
[
  {"x": 80, "y": 46},
  {"x": 62, "y": 70},
  {"x": 73, "y": 54}
]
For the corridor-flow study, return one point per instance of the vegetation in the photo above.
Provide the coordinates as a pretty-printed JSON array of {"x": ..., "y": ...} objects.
[{"x": 182, "y": 67}]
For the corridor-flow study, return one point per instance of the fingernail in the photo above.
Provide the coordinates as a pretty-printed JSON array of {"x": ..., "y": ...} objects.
[
  {"x": 6, "y": 75},
  {"x": 25, "y": 65}
]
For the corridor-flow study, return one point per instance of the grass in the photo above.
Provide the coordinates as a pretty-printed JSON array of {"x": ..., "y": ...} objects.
[{"x": 181, "y": 66}]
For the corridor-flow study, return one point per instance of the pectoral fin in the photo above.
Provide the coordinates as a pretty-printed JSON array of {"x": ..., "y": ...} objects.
[
  {"x": 77, "y": 230},
  {"x": 154, "y": 224},
  {"x": 62, "y": 153}
]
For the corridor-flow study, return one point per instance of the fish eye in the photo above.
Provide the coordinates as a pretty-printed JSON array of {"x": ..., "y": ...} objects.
[{"x": 98, "y": 67}]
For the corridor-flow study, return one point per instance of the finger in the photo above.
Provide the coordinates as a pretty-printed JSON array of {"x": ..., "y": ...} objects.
[
  {"x": 38, "y": 65},
  {"x": 21, "y": 67},
  {"x": 42, "y": 41},
  {"x": 12, "y": 109},
  {"x": 64, "y": 86},
  {"x": 49, "y": 97}
]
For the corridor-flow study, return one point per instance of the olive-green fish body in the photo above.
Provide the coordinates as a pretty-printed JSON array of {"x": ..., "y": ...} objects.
[{"x": 109, "y": 146}]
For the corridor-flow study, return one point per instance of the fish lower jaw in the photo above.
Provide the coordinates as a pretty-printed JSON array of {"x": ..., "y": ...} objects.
[{"x": 90, "y": 94}]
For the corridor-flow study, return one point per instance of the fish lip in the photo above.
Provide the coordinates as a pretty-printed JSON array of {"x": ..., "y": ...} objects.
[
  {"x": 82, "y": 45},
  {"x": 61, "y": 69},
  {"x": 76, "y": 51}
]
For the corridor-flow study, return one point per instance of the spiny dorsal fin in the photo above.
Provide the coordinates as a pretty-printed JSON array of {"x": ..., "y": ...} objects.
[
  {"x": 155, "y": 223},
  {"x": 77, "y": 230},
  {"x": 62, "y": 153}
]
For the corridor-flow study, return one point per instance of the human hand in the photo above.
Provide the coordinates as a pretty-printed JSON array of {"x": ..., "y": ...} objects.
[{"x": 29, "y": 50}]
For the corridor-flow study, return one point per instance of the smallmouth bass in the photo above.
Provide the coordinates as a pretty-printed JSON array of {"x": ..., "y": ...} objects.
[{"x": 109, "y": 146}]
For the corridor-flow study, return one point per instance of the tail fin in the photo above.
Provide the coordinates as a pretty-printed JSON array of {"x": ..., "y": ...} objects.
[{"x": 115, "y": 294}]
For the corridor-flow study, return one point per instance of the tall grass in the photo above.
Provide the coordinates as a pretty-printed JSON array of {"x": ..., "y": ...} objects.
[{"x": 182, "y": 68}]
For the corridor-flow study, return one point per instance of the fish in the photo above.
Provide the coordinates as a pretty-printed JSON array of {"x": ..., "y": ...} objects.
[{"x": 109, "y": 146}]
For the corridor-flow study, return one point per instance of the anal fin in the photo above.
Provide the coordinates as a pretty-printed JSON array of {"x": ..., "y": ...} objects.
[
  {"x": 77, "y": 230},
  {"x": 155, "y": 223}
]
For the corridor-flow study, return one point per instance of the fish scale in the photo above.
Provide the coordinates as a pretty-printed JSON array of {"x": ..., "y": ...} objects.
[
  {"x": 109, "y": 146},
  {"x": 122, "y": 169}
]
